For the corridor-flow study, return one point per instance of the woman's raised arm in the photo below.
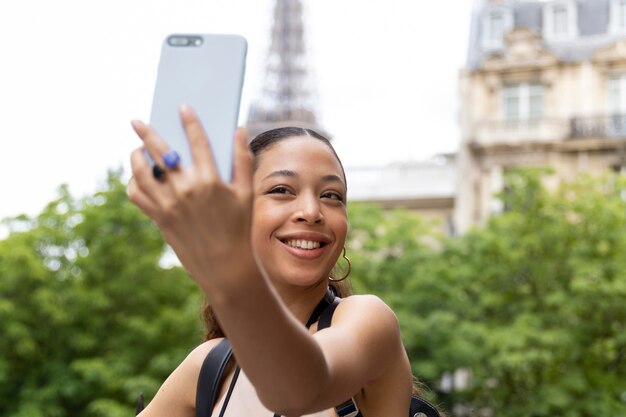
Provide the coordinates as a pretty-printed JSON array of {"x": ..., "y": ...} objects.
[{"x": 208, "y": 224}]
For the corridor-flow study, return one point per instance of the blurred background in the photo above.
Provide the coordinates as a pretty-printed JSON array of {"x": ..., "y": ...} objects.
[
  {"x": 76, "y": 72},
  {"x": 485, "y": 150}
]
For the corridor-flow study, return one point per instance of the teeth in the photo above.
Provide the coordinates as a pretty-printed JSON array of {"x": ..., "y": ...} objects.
[{"x": 303, "y": 244}]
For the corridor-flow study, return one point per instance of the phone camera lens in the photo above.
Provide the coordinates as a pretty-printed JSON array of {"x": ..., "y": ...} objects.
[{"x": 178, "y": 40}]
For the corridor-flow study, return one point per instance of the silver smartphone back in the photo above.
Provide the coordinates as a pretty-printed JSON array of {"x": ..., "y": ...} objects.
[{"x": 206, "y": 72}]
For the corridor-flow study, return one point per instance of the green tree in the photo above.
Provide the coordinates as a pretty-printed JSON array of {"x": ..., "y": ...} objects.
[
  {"x": 532, "y": 304},
  {"x": 390, "y": 252},
  {"x": 88, "y": 317},
  {"x": 545, "y": 285}
]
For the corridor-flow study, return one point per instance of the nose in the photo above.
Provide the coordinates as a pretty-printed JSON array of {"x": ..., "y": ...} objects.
[{"x": 308, "y": 209}]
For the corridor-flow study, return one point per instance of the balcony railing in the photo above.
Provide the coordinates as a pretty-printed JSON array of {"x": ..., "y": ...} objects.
[
  {"x": 549, "y": 130},
  {"x": 517, "y": 131},
  {"x": 610, "y": 127}
]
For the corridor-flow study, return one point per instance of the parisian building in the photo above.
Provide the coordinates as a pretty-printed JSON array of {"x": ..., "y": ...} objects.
[{"x": 544, "y": 85}]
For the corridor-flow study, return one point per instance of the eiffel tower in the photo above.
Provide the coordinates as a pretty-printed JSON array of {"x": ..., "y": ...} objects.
[{"x": 286, "y": 96}]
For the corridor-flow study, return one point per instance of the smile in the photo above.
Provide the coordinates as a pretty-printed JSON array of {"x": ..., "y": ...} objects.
[{"x": 303, "y": 244}]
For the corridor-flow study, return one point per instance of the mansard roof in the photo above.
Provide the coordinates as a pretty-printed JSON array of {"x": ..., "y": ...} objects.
[{"x": 593, "y": 29}]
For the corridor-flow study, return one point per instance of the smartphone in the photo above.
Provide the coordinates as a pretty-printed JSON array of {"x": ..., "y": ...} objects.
[{"x": 206, "y": 72}]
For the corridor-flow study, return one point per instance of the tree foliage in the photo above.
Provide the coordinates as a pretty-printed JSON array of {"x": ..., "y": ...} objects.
[
  {"x": 530, "y": 306},
  {"x": 88, "y": 318}
]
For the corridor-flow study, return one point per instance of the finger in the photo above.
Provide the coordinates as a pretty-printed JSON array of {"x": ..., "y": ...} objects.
[
  {"x": 162, "y": 195},
  {"x": 201, "y": 153},
  {"x": 141, "y": 199},
  {"x": 243, "y": 162},
  {"x": 142, "y": 172},
  {"x": 155, "y": 146}
]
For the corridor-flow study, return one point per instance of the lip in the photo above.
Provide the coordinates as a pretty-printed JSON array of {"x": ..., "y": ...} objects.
[{"x": 305, "y": 253}]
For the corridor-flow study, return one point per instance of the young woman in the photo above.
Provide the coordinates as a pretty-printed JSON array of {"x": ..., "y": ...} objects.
[{"x": 262, "y": 249}]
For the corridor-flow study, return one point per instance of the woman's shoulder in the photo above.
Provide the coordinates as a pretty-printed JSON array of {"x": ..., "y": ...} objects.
[
  {"x": 368, "y": 326},
  {"x": 189, "y": 369},
  {"x": 368, "y": 300},
  {"x": 196, "y": 357},
  {"x": 366, "y": 309},
  {"x": 376, "y": 327},
  {"x": 177, "y": 394}
]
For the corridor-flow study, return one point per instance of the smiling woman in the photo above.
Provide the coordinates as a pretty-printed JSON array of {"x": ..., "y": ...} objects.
[
  {"x": 299, "y": 212},
  {"x": 262, "y": 249}
]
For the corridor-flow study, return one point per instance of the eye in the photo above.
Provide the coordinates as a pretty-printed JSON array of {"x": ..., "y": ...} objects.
[
  {"x": 279, "y": 190},
  {"x": 332, "y": 195}
]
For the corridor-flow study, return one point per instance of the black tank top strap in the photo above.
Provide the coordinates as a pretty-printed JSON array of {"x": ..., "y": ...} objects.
[{"x": 230, "y": 391}]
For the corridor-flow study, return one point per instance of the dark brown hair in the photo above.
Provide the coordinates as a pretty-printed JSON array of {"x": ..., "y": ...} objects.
[{"x": 266, "y": 139}]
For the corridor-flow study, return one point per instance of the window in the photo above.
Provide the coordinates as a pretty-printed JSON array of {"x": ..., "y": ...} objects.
[
  {"x": 495, "y": 27},
  {"x": 621, "y": 14},
  {"x": 616, "y": 93},
  {"x": 560, "y": 20},
  {"x": 617, "y": 22},
  {"x": 522, "y": 101},
  {"x": 496, "y": 23}
]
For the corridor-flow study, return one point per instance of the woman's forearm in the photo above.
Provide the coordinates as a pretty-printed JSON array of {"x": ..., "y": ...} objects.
[{"x": 279, "y": 356}]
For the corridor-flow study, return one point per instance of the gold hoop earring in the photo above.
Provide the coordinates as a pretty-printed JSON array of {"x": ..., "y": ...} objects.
[{"x": 349, "y": 268}]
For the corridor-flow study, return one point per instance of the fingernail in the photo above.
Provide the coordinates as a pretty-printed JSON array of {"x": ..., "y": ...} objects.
[
  {"x": 137, "y": 123},
  {"x": 184, "y": 109}
]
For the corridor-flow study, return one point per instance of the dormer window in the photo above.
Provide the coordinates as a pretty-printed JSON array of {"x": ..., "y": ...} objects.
[
  {"x": 617, "y": 21},
  {"x": 497, "y": 21},
  {"x": 560, "y": 20}
]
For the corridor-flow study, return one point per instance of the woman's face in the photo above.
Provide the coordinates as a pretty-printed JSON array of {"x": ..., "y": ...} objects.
[{"x": 299, "y": 217}]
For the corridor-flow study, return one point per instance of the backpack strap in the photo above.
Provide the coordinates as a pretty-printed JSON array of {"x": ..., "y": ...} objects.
[
  {"x": 421, "y": 406},
  {"x": 210, "y": 377}
]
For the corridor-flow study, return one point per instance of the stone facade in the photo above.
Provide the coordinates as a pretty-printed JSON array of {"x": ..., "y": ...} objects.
[{"x": 544, "y": 85}]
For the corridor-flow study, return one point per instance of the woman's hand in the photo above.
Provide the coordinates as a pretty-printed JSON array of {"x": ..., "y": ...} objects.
[{"x": 205, "y": 220}]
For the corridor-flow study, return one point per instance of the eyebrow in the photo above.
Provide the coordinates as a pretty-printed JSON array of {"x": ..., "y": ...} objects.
[
  {"x": 289, "y": 173},
  {"x": 281, "y": 173},
  {"x": 332, "y": 178}
]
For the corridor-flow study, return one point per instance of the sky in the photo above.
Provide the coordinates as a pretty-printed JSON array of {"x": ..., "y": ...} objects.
[{"x": 74, "y": 73}]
